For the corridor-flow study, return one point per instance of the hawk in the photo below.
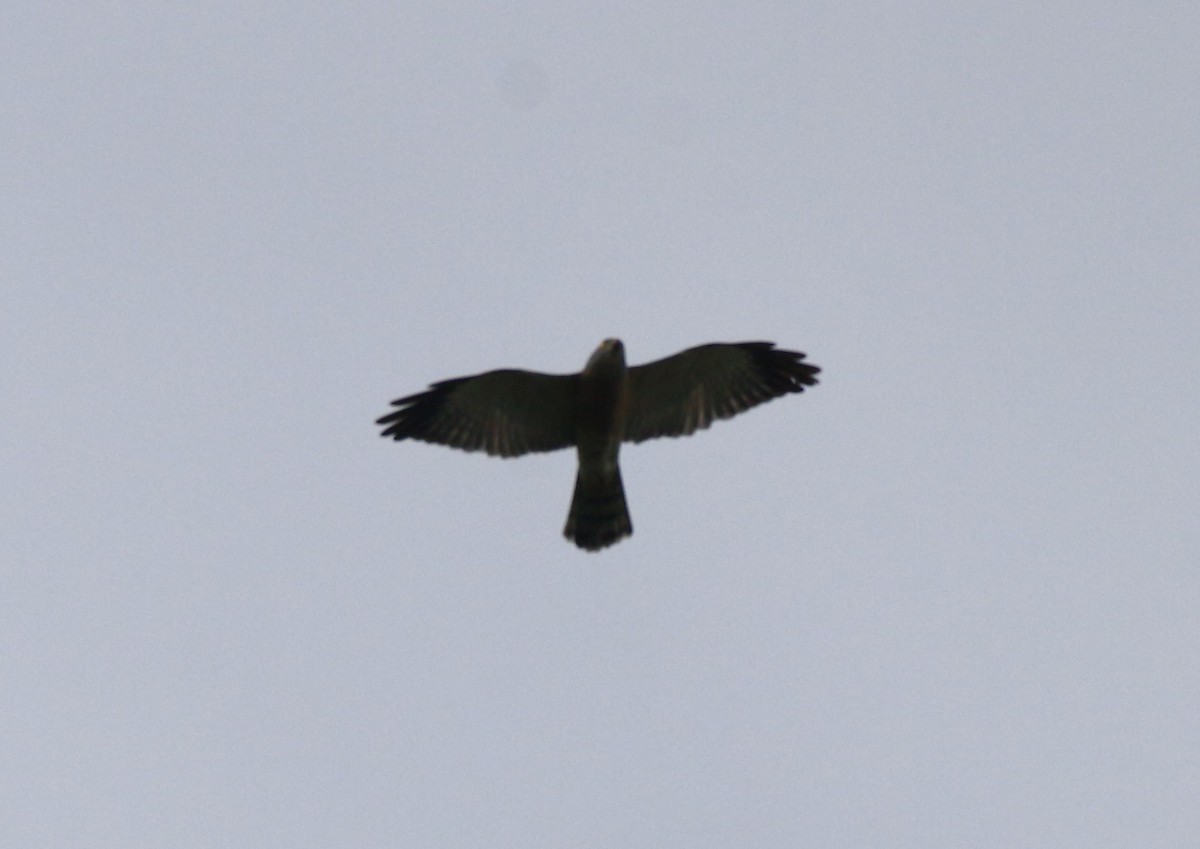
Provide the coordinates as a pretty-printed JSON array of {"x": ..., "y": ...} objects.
[{"x": 510, "y": 412}]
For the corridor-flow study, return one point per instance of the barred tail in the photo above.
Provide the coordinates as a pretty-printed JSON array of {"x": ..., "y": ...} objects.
[{"x": 599, "y": 515}]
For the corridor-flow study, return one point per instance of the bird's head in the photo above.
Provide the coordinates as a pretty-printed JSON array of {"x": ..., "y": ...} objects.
[{"x": 610, "y": 356}]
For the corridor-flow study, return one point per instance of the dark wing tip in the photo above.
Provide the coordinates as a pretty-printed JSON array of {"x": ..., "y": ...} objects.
[
  {"x": 780, "y": 370},
  {"x": 417, "y": 415}
]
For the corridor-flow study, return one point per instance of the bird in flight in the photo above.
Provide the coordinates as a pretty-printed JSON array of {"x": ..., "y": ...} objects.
[{"x": 511, "y": 412}]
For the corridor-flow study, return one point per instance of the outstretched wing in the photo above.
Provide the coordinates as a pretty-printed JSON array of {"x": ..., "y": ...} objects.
[
  {"x": 688, "y": 391},
  {"x": 506, "y": 412}
]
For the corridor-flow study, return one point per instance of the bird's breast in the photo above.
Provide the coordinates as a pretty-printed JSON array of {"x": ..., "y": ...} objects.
[{"x": 600, "y": 414}]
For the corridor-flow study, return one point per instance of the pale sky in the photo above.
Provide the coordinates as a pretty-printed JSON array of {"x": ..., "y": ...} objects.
[{"x": 948, "y": 598}]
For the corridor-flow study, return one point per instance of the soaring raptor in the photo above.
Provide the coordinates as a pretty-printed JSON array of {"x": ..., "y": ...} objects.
[{"x": 510, "y": 412}]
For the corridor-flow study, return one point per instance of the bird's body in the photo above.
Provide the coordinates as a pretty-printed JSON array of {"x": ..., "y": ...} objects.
[
  {"x": 511, "y": 412},
  {"x": 599, "y": 515}
]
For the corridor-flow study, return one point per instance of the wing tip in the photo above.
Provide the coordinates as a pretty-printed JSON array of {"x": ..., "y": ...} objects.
[
  {"x": 783, "y": 371},
  {"x": 416, "y": 413}
]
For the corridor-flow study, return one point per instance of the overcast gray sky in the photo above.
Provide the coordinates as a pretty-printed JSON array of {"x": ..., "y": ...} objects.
[{"x": 947, "y": 598}]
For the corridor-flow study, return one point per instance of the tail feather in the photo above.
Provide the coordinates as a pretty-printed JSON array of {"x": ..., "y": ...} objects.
[{"x": 599, "y": 515}]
